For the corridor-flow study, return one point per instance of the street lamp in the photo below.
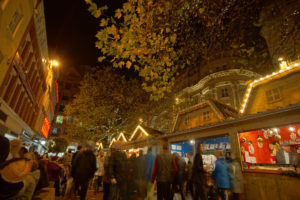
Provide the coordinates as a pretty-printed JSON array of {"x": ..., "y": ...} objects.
[{"x": 54, "y": 63}]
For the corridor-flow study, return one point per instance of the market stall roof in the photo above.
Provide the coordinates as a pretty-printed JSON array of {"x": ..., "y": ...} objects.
[
  {"x": 121, "y": 137},
  {"x": 142, "y": 131},
  {"x": 277, "y": 90},
  {"x": 220, "y": 112}
]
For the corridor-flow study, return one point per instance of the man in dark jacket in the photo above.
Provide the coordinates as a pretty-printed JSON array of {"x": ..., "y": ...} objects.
[
  {"x": 286, "y": 156},
  {"x": 163, "y": 169},
  {"x": 118, "y": 172},
  {"x": 198, "y": 175},
  {"x": 83, "y": 170}
]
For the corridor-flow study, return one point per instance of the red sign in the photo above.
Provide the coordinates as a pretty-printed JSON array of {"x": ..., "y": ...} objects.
[
  {"x": 57, "y": 96},
  {"x": 46, "y": 127}
]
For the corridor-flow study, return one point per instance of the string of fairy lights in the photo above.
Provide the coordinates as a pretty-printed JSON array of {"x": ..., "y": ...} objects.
[{"x": 284, "y": 67}]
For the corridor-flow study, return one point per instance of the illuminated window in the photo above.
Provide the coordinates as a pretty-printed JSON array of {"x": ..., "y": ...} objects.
[
  {"x": 59, "y": 119},
  {"x": 273, "y": 95},
  {"x": 206, "y": 116},
  {"x": 187, "y": 121},
  {"x": 224, "y": 92},
  {"x": 61, "y": 108},
  {"x": 15, "y": 21}
]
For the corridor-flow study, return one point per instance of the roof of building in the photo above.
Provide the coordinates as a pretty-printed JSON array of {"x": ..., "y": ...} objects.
[
  {"x": 223, "y": 111},
  {"x": 146, "y": 131},
  {"x": 283, "y": 72}
]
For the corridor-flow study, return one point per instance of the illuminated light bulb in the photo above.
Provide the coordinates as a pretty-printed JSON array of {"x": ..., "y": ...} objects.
[
  {"x": 268, "y": 76},
  {"x": 261, "y": 79},
  {"x": 296, "y": 64},
  {"x": 251, "y": 84},
  {"x": 192, "y": 141},
  {"x": 274, "y": 73},
  {"x": 255, "y": 81},
  {"x": 288, "y": 68},
  {"x": 280, "y": 59},
  {"x": 276, "y": 130},
  {"x": 291, "y": 128},
  {"x": 280, "y": 70},
  {"x": 242, "y": 111}
]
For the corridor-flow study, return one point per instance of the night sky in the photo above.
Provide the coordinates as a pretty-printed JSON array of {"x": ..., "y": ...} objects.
[{"x": 71, "y": 31}]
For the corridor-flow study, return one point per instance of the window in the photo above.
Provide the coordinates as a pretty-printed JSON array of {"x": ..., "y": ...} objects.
[
  {"x": 206, "y": 116},
  {"x": 69, "y": 119},
  {"x": 59, "y": 119},
  {"x": 56, "y": 131},
  {"x": 61, "y": 108},
  {"x": 187, "y": 121},
  {"x": 224, "y": 92},
  {"x": 3, "y": 116},
  {"x": 16, "y": 18},
  {"x": 65, "y": 98},
  {"x": 273, "y": 95}
]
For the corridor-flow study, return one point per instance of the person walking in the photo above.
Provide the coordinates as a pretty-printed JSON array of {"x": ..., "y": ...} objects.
[
  {"x": 106, "y": 181},
  {"x": 163, "y": 169},
  {"x": 198, "y": 175},
  {"x": 189, "y": 183},
  {"x": 83, "y": 170},
  {"x": 148, "y": 166},
  {"x": 178, "y": 182},
  {"x": 118, "y": 172},
  {"x": 238, "y": 186},
  {"x": 222, "y": 175},
  {"x": 100, "y": 170}
]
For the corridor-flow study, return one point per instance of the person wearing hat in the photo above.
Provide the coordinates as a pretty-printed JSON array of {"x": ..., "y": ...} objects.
[
  {"x": 286, "y": 156},
  {"x": 12, "y": 174}
]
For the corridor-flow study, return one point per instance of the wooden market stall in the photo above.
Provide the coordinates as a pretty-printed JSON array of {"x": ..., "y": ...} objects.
[
  {"x": 143, "y": 137},
  {"x": 268, "y": 123}
]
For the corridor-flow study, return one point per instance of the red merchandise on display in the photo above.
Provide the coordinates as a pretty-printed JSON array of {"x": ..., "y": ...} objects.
[{"x": 261, "y": 146}]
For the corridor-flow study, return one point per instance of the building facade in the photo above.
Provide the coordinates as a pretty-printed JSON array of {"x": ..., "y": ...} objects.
[
  {"x": 25, "y": 77},
  {"x": 226, "y": 86},
  {"x": 68, "y": 86}
]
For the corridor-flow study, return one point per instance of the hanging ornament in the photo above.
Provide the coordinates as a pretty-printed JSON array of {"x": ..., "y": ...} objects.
[
  {"x": 244, "y": 140},
  {"x": 260, "y": 141},
  {"x": 298, "y": 132},
  {"x": 251, "y": 148},
  {"x": 293, "y": 136},
  {"x": 266, "y": 136},
  {"x": 277, "y": 137}
]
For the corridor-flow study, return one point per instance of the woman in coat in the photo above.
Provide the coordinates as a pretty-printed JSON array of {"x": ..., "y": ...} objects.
[{"x": 222, "y": 175}]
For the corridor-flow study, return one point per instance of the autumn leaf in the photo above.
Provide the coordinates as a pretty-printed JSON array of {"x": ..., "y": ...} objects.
[
  {"x": 103, "y": 22},
  {"x": 128, "y": 64},
  {"x": 118, "y": 13}
]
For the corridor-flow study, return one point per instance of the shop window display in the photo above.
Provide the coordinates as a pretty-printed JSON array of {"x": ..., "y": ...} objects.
[
  {"x": 276, "y": 146},
  {"x": 210, "y": 146}
]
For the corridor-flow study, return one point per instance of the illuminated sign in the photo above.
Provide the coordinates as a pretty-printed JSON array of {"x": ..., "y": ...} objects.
[
  {"x": 45, "y": 127},
  {"x": 56, "y": 86}
]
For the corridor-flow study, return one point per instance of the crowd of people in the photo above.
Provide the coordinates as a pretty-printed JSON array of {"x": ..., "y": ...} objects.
[{"x": 119, "y": 174}]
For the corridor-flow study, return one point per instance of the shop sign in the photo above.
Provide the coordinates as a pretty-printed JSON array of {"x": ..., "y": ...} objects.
[
  {"x": 45, "y": 127},
  {"x": 3, "y": 129}
]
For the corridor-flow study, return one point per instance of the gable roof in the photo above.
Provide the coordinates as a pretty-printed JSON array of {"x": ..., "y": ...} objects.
[
  {"x": 288, "y": 69},
  {"x": 145, "y": 131},
  {"x": 122, "y": 137},
  {"x": 222, "y": 111}
]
